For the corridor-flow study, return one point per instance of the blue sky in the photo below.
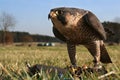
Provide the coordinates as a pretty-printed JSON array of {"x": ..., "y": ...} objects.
[{"x": 32, "y": 15}]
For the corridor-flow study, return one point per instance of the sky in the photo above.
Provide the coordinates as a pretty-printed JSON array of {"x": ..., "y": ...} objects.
[{"x": 32, "y": 15}]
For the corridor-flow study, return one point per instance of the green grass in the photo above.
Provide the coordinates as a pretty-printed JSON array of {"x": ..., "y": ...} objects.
[{"x": 13, "y": 61}]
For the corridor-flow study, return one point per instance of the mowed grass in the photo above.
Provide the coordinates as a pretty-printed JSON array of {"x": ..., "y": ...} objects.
[{"x": 12, "y": 60}]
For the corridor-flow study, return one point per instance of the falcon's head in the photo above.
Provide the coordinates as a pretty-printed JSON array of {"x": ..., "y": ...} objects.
[{"x": 64, "y": 16}]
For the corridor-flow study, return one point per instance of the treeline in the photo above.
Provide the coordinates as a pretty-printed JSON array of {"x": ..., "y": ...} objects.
[
  {"x": 26, "y": 37},
  {"x": 14, "y": 37},
  {"x": 115, "y": 28},
  {"x": 11, "y": 37}
]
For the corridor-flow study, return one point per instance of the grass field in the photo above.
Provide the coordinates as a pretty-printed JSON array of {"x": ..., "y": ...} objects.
[{"x": 12, "y": 60}]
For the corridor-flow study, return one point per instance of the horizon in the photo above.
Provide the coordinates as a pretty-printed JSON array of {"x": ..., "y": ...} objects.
[{"x": 32, "y": 16}]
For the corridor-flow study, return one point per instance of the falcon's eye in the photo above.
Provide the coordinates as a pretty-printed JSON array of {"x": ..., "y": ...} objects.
[
  {"x": 59, "y": 12},
  {"x": 56, "y": 12}
]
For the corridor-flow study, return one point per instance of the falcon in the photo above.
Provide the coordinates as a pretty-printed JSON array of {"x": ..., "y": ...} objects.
[{"x": 78, "y": 26}]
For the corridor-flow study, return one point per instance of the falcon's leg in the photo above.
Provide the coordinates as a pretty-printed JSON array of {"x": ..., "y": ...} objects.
[
  {"x": 94, "y": 49},
  {"x": 72, "y": 52}
]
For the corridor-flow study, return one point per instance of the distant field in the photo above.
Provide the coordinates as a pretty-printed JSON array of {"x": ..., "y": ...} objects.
[{"x": 13, "y": 59}]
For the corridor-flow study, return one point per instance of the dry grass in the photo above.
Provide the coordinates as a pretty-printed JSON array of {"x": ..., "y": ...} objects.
[{"x": 12, "y": 60}]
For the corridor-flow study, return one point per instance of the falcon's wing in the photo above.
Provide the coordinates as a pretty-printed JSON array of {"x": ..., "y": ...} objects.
[
  {"x": 58, "y": 34},
  {"x": 93, "y": 22}
]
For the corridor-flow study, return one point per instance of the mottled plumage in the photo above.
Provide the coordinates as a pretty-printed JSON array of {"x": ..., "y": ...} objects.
[{"x": 77, "y": 26}]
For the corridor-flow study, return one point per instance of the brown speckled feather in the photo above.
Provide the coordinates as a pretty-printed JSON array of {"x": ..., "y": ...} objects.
[
  {"x": 93, "y": 22},
  {"x": 58, "y": 34}
]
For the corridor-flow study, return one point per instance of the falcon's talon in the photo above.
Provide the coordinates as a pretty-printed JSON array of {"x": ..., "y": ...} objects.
[
  {"x": 76, "y": 71},
  {"x": 98, "y": 68}
]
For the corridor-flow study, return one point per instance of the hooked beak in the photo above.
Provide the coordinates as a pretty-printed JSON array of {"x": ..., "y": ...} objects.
[
  {"x": 52, "y": 14},
  {"x": 49, "y": 16}
]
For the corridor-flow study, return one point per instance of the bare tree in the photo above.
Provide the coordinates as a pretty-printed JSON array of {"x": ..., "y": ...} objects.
[{"x": 7, "y": 21}]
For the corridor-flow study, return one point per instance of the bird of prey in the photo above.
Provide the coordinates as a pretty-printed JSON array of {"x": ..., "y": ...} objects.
[{"x": 78, "y": 26}]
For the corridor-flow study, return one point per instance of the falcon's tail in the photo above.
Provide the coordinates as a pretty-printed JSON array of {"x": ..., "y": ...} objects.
[{"x": 104, "y": 58}]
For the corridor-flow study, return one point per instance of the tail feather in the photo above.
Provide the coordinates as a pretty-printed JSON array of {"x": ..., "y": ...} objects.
[{"x": 104, "y": 58}]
